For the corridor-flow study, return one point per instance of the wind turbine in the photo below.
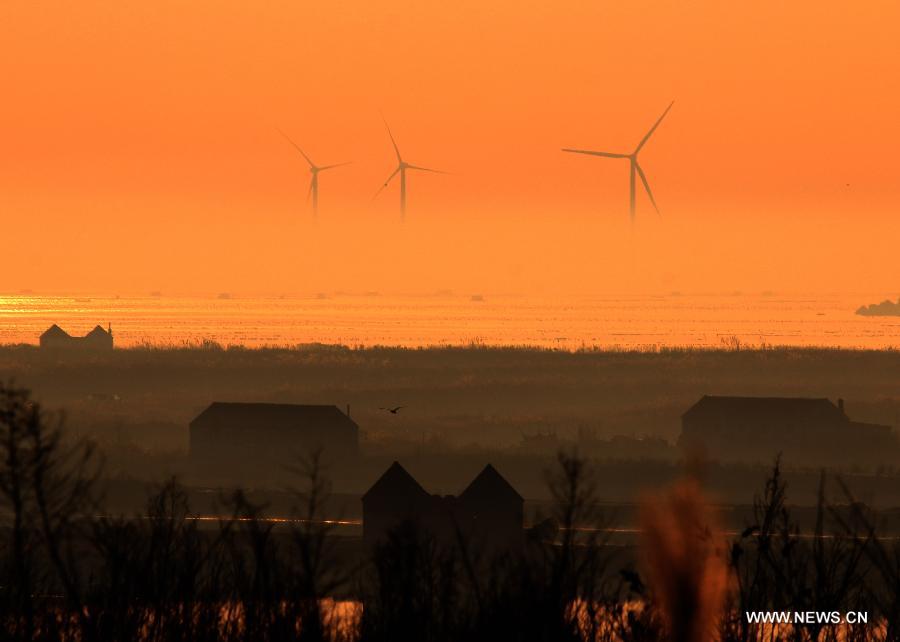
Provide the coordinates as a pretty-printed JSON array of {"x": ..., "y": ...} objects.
[
  {"x": 635, "y": 166},
  {"x": 314, "y": 170},
  {"x": 402, "y": 166}
]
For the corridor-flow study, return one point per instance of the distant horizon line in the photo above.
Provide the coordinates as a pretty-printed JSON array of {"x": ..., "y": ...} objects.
[
  {"x": 207, "y": 345},
  {"x": 225, "y": 295}
]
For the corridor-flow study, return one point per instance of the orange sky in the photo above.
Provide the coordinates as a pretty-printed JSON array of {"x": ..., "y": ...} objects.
[{"x": 138, "y": 148}]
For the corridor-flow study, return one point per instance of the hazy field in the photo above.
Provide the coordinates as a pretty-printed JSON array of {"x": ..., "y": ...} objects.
[
  {"x": 477, "y": 403},
  {"x": 479, "y": 395}
]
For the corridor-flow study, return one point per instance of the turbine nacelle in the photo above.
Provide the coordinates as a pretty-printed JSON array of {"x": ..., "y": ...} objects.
[
  {"x": 402, "y": 166},
  {"x": 314, "y": 170},
  {"x": 636, "y": 170}
]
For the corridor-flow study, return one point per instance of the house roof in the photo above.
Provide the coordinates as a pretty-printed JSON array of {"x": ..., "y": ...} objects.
[
  {"x": 766, "y": 408},
  {"x": 55, "y": 331},
  {"x": 98, "y": 331},
  {"x": 396, "y": 483},
  {"x": 275, "y": 415},
  {"x": 490, "y": 485}
]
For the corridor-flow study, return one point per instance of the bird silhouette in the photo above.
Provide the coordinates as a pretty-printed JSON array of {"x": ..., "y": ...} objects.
[{"x": 393, "y": 411}]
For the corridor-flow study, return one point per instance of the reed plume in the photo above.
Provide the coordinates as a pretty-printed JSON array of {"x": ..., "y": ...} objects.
[{"x": 683, "y": 563}]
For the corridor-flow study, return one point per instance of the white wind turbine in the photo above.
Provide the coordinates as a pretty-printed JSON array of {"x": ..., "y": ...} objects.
[
  {"x": 635, "y": 166},
  {"x": 402, "y": 166},
  {"x": 314, "y": 170}
]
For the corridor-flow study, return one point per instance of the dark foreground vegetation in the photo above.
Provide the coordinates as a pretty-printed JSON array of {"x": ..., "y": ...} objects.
[{"x": 68, "y": 571}]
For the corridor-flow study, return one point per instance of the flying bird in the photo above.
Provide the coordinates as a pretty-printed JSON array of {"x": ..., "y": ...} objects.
[
  {"x": 402, "y": 166},
  {"x": 635, "y": 166},
  {"x": 394, "y": 410},
  {"x": 314, "y": 170}
]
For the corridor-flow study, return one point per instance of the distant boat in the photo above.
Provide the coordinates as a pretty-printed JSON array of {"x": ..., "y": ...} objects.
[
  {"x": 224, "y": 295},
  {"x": 476, "y": 297},
  {"x": 156, "y": 293},
  {"x": 886, "y": 308}
]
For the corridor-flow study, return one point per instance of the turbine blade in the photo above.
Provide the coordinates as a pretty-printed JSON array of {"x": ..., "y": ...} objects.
[
  {"x": 590, "y": 153},
  {"x": 309, "y": 191},
  {"x": 393, "y": 142},
  {"x": 647, "y": 187},
  {"x": 426, "y": 169},
  {"x": 389, "y": 179},
  {"x": 335, "y": 165},
  {"x": 653, "y": 129},
  {"x": 297, "y": 147}
]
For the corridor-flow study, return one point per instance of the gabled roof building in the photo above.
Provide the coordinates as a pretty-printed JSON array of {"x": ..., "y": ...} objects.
[
  {"x": 228, "y": 436},
  {"x": 805, "y": 430},
  {"x": 55, "y": 337},
  {"x": 488, "y": 511}
]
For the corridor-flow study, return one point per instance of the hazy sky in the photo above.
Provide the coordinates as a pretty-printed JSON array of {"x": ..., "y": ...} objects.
[{"x": 138, "y": 148}]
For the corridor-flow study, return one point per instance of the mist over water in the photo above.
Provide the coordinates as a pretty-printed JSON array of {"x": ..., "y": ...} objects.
[{"x": 566, "y": 322}]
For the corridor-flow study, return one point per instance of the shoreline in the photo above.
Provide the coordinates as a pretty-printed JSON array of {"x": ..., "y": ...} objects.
[{"x": 211, "y": 346}]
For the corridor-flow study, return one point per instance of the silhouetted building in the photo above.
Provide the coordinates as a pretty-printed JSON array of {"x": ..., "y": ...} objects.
[
  {"x": 805, "y": 431},
  {"x": 231, "y": 437},
  {"x": 488, "y": 512},
  {"x": 97, "y": 339},
  {"x": 395, "y": 498},
  {"x": 494, "y": 510}
]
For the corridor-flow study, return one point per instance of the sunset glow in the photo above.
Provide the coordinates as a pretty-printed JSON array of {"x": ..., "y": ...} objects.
[{"x": 140, "y": 150}]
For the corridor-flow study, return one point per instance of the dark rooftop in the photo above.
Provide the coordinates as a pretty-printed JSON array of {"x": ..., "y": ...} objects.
[
  {"x": 491, "y": 485},
  {"x": 763, "y": 407},
  {"x": 97, "y": 331},
  {"x": 396, "y": 483},
  {"x": 55, "y": 331},
  {"x": 276, "y": 415}
]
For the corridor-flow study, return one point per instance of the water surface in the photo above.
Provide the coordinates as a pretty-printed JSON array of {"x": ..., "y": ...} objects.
[{"x": 364, "y": 320}]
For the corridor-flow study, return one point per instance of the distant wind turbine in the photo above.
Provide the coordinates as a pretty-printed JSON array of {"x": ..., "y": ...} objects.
[
  {"x": 402, "y": 166},
  {"x": 314, "y": 170},
  {"x": 635, "y": 166}
]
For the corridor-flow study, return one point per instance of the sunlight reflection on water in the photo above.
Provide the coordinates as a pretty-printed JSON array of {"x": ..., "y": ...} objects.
[{"x": 366, "y": 320}]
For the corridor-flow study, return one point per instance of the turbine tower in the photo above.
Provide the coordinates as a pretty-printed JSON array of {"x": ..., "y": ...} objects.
[
  {"x": 635, "y": 166},
  {"x": 402, "y": 166},
  {"x": 314, "y": 171}
]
